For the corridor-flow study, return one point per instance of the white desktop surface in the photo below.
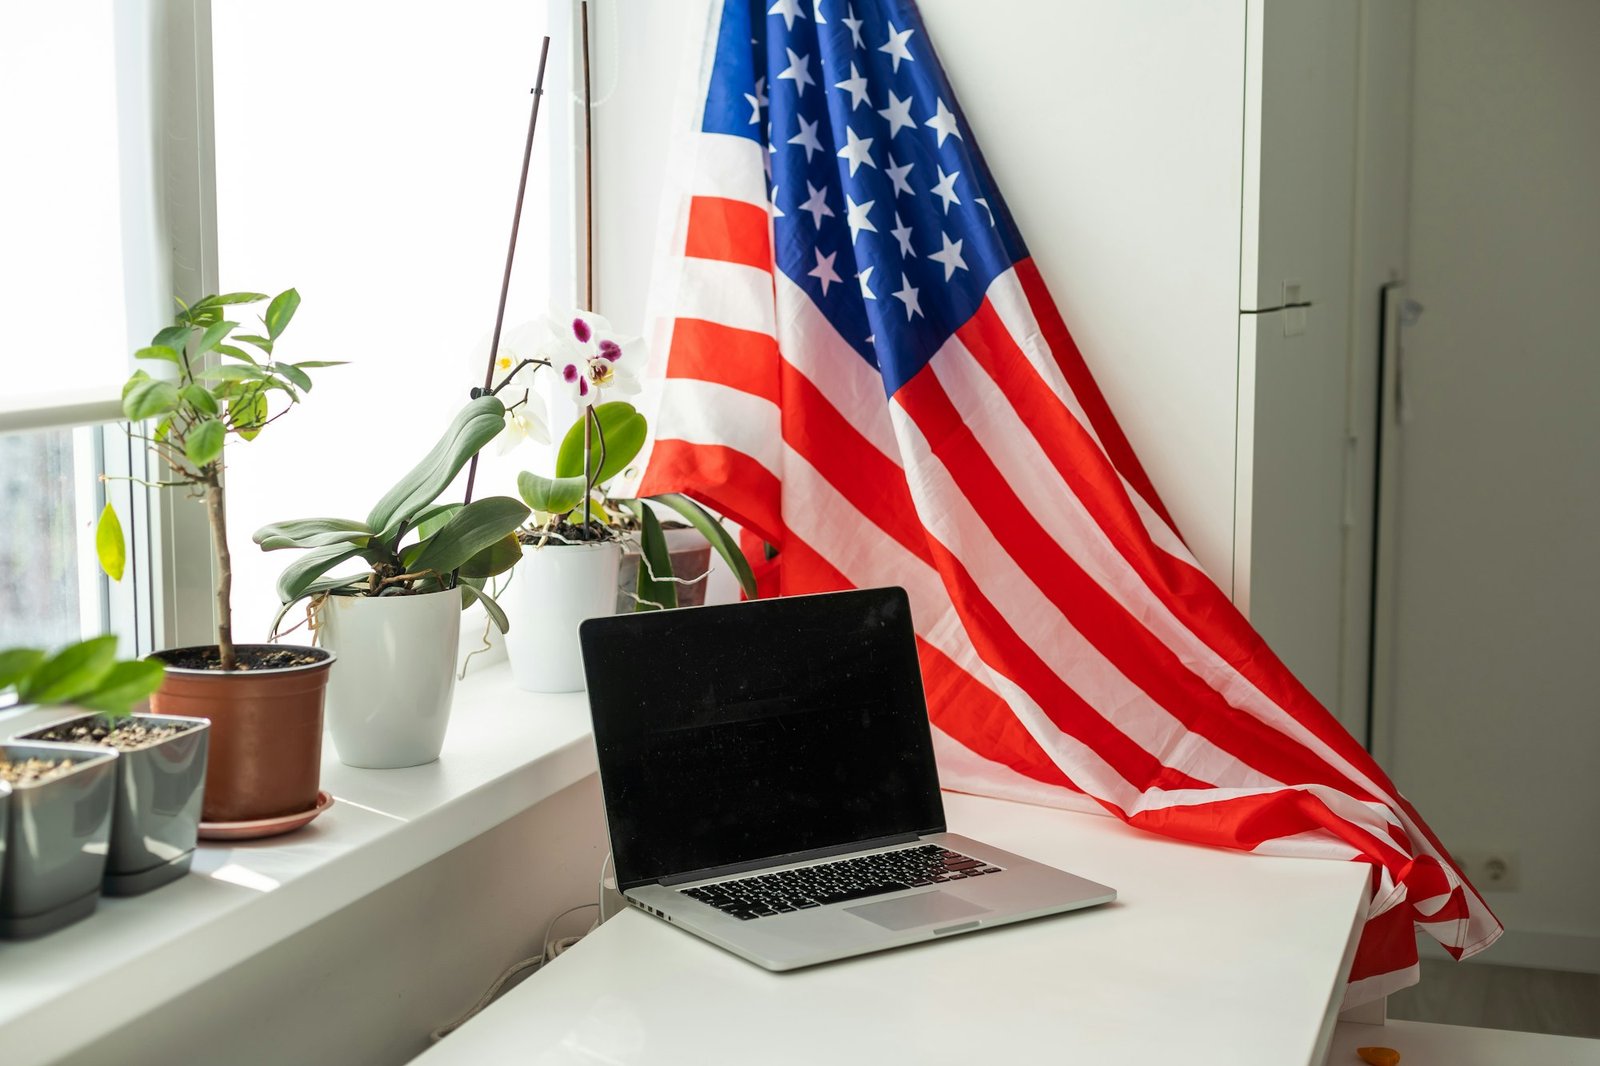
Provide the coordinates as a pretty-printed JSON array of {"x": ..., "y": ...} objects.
[{"x": 1208, "y": 956}]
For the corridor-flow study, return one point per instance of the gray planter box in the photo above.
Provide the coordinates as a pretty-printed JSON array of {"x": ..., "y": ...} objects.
[
  {"x": 156, "y": 817},
  {"x": 56, "y": 840}
]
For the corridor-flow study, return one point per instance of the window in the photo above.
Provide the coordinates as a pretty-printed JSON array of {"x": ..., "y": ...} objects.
[{"x": 373, "y": 165}]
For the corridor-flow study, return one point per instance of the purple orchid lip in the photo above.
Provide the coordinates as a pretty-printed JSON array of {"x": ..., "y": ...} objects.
[
  {"x": 581, "y": 330},
  {"x": 583, "y": 386},
  {"x": 569, "y": 373},
  {"x": 610, "y": 351}
]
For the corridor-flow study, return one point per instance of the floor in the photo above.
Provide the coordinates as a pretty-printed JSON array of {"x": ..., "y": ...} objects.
[{"x": 1502, "y": 997}]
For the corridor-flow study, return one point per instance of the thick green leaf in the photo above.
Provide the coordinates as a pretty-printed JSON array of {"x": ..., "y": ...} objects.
[
  {"x": 213, "y": 336},
  {"x": 203, "y": 444},
  {"x": 496, "y": 613},
  {"x": 475, "y": 425},
  {"x": 280, "y": 311},
  {"x": 157, "y": 351},
  {"x": 125, "y": 685},
  {"x": 310, "y": 533},
  {"x": 656, "y": 589},
  {"x": 200, "y": 398},
  {"x": 624, "y": 430},
  {"x": 550, "y": 495},
  {"x": 296, "y": 375},
  {"x": 299, "y": 575},
  {"x": 109, "y": 545},
  {"x": 229, "y": 298},
  {"x": 435, "y": 518},
  {"x": 494, "y": 560},
  {"x": 470, "y": 530},
  {"x": 716, "y": 533},
  {"x": 71, "y": 672},
  {"x": 145, "y": 397},
  {"x": 18, "y": 663}
]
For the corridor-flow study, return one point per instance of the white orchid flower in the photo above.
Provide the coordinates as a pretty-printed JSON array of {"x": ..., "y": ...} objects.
[
  {"x": 598, "y": 362},
  {"x": 527, "y": 422}
]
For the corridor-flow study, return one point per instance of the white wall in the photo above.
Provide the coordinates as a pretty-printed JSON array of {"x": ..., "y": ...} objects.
[
  {"x": 1496, "y": 720},
  {"x": 1115, "y": 133}
]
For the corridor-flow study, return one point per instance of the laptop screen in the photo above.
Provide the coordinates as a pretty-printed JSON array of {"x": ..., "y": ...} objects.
[{"x": 741, "y": 732}]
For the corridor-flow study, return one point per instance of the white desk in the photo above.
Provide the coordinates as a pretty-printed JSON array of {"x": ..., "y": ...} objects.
[{"x": 1207, "y": 957}]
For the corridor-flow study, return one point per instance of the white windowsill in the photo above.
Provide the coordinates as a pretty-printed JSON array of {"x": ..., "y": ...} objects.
[{"x": 506, "y": 750}]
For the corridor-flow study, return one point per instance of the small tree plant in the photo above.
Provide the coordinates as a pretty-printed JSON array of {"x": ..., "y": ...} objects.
[{"x": 211, "y": 383}]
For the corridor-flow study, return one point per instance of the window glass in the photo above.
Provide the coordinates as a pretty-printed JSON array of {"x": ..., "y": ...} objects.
[
  {"x": 372, "y": 164},
  {"x": 49, "y": 588}
]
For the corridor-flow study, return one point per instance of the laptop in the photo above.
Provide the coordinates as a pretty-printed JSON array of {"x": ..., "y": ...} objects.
[{"x": 769, "y": 782}]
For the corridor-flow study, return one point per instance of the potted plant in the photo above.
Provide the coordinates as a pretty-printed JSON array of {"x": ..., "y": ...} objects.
[
  {"x": 264, "y": 701},
  {"x": 396, "y": 626},
  {"x": 574, "y": 546},
  {"x": 70, "y": 813},
  {"x": 160, "y": 777}
]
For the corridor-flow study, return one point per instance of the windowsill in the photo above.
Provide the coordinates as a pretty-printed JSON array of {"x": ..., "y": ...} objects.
[{"x": 506, "y": 751}]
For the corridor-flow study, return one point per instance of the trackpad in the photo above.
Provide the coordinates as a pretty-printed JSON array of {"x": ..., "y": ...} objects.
[{"x": 912, "y": 911}]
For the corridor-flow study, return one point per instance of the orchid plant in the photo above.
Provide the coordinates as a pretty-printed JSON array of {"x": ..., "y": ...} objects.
[{"x": 592, "y": 363}]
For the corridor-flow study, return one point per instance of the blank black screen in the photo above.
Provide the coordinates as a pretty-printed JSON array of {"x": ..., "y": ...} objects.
[{"x": 740, "y": 732}]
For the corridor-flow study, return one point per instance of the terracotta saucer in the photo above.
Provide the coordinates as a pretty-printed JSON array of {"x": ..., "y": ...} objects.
[{"x": 264, "y": 827}]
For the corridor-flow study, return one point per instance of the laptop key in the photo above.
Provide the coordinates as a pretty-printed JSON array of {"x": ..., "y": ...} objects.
[{"x": 862, "y": 893}]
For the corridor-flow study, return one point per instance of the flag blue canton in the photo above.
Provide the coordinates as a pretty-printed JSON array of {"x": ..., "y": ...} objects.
[{"x": 883, "y": 210}]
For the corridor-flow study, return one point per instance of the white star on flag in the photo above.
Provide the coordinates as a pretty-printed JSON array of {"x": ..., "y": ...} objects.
[
  {"x": 790, "y": 11},
  {"x": 897, "y": 175},
  {"x": 857, "y": 150},
  {"x": 807, "y": 137},
  {"x": 981, "y": 202},
  {"x": 902, "y": 233},
  {"x": 854, "y": 24},
  {"x": 817, "y": 204},
  {"x": 898, "y": 113},
  {"x": 816, "y": 13},
  {"x": 944, "y": 121},
  {"x": 949, "y": 256},
  {"x": 823, "y": 271},
  {"x": 946, "y": 189},
  {"x": 897, "y": 45},
  {"x": 862, "y": 277},
  {"x": 799, "y": 72},
  {"x": 908, "y": 296},
  {"x": 856, "y": 217},
  {"x": 777, "y": 212},
  {"x": 856, "y": 86},
  {"x": 758, "y": 100}
]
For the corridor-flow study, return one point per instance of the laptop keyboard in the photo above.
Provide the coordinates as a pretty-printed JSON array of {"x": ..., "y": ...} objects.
[{"x": 838, "y": 882}]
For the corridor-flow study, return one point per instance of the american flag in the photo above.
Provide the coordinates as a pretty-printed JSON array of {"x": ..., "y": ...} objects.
[{"x": 860, "y": 364}]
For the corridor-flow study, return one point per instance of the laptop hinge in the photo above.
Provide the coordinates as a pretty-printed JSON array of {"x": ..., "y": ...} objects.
[{"x": 792, "y": 857}]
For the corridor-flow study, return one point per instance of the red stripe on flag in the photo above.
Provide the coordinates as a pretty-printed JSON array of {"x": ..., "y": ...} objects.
[
  {"x": 723, "y": 479},
  {"x": 1083, "y": 386},
  {"x": 738, "y": 358},
  {"x": 731, "y": 231}
]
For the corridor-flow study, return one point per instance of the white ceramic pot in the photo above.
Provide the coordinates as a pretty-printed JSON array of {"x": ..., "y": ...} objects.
[
  {"x": 553, "y": 589},
  {"x": 389, "y": 693}
]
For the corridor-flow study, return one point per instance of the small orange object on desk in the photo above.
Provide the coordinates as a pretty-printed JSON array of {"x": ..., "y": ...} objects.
[{"x": 1379, "y": 1056}]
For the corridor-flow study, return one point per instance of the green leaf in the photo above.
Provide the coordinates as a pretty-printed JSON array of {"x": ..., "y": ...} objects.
[
  {"x": 624, "y": 430},
  {"x": 248, "y": 414},
  {"x": 145, "y": 397},
  {"x": 16, "y": 664},
  {"x": 174, "y": 337},
  {"x": 433, "y": 519},
  {"x": 470, "y": 530},
  {"x": 157, "y": 351},
  {"x": 299, "y": 575},
  {"x": 234, "y": 372},
  {"x": 656, "y": 589},
  {"x": 314, "y": 363},
  {"x": 716, "y": 533},
  {"x": 475, "y": 425},
  {"x": 200, "y": 398},
  {"x": 496, "y": 613},
  {"x": 109, "y": 544},
  {"x": 126, "y": 684},
  {"x": 237, "y": 353},
  {"x": 213, "y": 335},
  {"x": 203, "y": 444},
  {"x": 280, "y": 311},
  {"x": 311, "y": 533},
  {"x": 229, "y": 298},
  {"x": 496, "y": 559},
  {"x": 73, "y": 671},
  {"x": 550, "y": 495},
  {"x": 296, "y": 375}
]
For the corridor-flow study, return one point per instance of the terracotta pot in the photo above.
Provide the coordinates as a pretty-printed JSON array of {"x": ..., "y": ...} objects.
[{"x": 266, "y": 731}]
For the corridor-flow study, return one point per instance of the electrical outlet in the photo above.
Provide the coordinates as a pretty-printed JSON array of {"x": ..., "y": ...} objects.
[{"x": 1491, "y": 871}]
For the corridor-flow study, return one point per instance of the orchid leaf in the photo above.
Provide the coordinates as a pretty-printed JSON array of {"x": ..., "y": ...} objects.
[
  {"x": 624, "y": 430},
  {"x": 656, "y": 588},
  {"x": 550, "y": 495},
  {"x": 474, "y": 426},
  {"x": 310, "y": 533},
  {"x": 494, "y": 560},
  {"x": 496, "y": 613},
  {"x": 299, "y": 575},
  {"x": 716, "y": 533},
  {"x": 470, "y": 530}
]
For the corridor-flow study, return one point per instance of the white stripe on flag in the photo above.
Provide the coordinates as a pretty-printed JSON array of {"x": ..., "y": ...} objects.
[{"x": 705, "y": 412}]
